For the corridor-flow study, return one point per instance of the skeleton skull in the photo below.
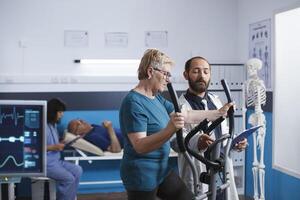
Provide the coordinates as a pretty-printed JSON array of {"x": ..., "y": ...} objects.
[{"x": 253, "y": 65}]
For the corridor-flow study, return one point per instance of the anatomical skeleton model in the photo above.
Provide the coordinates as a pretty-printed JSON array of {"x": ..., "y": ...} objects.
[{"x": 255, "y": 94}]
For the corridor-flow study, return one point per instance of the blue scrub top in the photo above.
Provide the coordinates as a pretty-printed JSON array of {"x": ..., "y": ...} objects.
[
  {"x": 138, "y": 113},
  {"x": 52, "y": 138}
]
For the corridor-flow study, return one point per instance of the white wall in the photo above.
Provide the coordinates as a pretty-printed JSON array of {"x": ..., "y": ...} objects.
[
  {"x": 195, "y": 27},
  {"x": 253, "y": 11},
  {"x": 287, "y": 64}
]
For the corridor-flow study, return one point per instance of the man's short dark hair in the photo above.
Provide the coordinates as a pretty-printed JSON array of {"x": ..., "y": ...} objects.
[
  {"x": 53, "y": 106},
  {"x": 189, "y": 61}
]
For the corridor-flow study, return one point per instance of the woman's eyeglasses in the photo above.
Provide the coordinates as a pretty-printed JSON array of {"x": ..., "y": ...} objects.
[{"x": 165, "y": 73}]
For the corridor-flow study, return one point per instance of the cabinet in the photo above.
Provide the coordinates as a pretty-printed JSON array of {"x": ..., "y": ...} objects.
[{"x": 235, "y": 75}]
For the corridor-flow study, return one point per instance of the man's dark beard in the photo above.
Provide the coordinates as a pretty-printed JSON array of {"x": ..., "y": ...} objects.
[{"x": 198, "y": 88}]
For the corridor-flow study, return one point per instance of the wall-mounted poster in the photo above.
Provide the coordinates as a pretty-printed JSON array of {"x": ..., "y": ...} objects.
[
  {"x": 156, "y": 39},
  {"x": 76, "y": 38},
  {"x": 260, "y": 47},
  {"x": 116, "y": 39}
]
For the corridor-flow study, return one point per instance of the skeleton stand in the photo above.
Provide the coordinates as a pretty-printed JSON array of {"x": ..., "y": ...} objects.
[{"x": 255, "y": 94}]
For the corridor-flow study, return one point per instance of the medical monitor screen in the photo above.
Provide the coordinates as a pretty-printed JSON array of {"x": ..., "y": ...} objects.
[{"x": 22, "y": 138}]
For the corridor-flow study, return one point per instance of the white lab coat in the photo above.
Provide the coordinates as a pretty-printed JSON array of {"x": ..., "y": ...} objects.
[{"x": 183, "y": 166}]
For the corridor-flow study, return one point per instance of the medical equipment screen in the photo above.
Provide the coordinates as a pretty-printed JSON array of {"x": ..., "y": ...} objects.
[{"x": 22, "y": 138}]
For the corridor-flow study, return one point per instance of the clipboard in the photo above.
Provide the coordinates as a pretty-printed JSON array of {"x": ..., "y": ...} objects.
[
  {"x": 78, "y": 142},
  {"x": 245, "y": 134}
]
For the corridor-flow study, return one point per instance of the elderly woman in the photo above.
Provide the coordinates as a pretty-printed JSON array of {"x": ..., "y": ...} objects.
[{"x": 148, "y": 122}]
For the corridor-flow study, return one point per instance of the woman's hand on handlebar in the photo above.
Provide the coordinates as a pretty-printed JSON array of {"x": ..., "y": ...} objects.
[
  {"x": 204, "y": 141},
  {"x": 177, "y": 120}
]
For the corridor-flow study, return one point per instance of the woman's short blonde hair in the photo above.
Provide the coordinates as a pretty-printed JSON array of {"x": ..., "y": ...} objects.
[{"x": 152, "y": 58}]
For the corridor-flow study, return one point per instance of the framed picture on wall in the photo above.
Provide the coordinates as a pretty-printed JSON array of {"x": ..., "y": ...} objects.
[{"x": 156, "y": 39}]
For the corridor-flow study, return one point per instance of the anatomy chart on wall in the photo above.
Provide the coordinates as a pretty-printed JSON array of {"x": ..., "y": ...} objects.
[{"x": 260, "y": 47}]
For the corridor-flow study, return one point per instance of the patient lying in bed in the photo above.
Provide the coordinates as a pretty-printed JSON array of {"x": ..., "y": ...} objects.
[{"x": 105, "y": 137}]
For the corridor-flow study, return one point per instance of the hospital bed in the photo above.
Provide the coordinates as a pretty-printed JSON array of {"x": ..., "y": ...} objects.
[{"x": 107, "y": 156}]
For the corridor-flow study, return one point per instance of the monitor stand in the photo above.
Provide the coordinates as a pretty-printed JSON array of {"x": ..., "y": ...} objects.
[{"x": 11, "y": 186}]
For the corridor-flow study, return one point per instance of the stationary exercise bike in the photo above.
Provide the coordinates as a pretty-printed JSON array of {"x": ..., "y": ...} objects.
[{"x": 215, "y": 164}]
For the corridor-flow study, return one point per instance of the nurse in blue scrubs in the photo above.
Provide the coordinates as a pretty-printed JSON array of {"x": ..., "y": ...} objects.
[{"x": 65, "y": 174}]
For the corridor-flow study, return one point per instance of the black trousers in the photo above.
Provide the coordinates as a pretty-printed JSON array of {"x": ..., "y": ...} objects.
[{"x": 172, "y": 188}]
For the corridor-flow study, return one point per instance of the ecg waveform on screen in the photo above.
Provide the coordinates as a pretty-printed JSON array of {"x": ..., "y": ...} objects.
[
  {"x": 14, "y": 116},
  {"x": 12, "y": 139},
  {"x": 13, "y": 159}
]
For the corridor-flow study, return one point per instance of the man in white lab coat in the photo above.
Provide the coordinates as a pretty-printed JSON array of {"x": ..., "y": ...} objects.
[{"x": 198, "y": 73}]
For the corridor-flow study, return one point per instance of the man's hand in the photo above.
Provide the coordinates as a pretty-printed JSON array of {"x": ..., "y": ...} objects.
[
  {"x": 107, "y": 124},
  {"x": 241, "y": 145},
  {"x": 223, "y": 111},
  {"x": 204, "y": 141}
]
